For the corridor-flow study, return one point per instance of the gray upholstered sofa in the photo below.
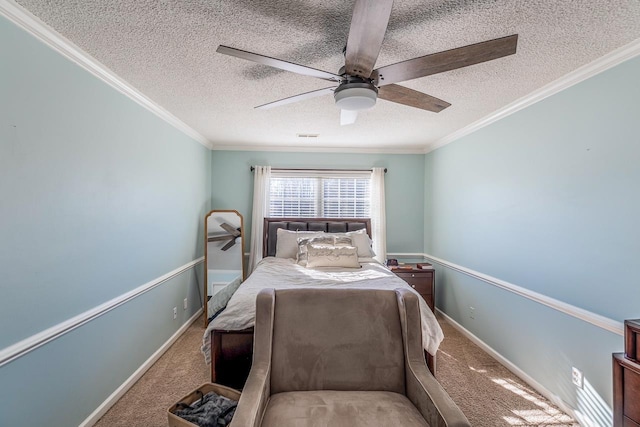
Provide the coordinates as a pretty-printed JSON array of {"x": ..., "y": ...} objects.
[{"x": 348, "y": 357}]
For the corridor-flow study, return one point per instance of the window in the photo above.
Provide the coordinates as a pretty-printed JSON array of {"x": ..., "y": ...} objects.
[{"x": 320, "y": 194}]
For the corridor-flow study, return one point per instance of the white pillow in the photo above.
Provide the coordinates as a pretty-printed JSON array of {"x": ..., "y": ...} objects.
[
  {"x": 323, "y": 239},
  {"x": 361, "y": 241},
  {"x": 342, "y": 240},
  {"x": 287, "y": 242},
  {"x": 336, "y": 256}
]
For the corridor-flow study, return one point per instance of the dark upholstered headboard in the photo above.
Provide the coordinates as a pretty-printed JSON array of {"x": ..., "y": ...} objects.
[{"x": 329, "y": 225}]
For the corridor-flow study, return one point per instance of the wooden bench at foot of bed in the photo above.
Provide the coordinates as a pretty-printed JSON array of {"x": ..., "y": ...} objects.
[{"x": 232, "y": 353}]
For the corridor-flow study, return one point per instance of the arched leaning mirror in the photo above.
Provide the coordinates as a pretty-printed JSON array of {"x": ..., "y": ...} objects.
[{"x": 224, "y": 259}]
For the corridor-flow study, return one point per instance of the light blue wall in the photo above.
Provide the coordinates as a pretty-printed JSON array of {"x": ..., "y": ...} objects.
[
  {"x": 232, "y": 184},
  {"x": 545, "y": 199},
  {"x": 98, "y": 196}
]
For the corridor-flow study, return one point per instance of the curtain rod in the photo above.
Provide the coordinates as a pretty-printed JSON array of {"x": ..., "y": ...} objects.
[{"x": 323, "y": 170}]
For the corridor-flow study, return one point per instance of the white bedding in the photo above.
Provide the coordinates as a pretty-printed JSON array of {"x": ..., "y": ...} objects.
[{"x": 281, "y": 273}]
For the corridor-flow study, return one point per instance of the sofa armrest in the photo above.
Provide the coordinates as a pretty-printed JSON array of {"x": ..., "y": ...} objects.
[
  {"x": 257, "y": 390},
  {"x": 254, "y": 399},
  {"x": 433, "y": 402},
  {"x": 422, "y": 388}
]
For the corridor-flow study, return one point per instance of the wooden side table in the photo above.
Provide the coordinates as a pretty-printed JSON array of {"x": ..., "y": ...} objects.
[
  {"x": 626, "y": 392},
  {"x": 422, "y": 280},
  {"x": 626, "y": 378}
]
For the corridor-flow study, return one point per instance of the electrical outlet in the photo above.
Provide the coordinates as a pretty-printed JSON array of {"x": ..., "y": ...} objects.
[
  {"x": 175, "y": 312},
  {"x": 577, "y": 378},
  {"x": 184, "y": 305},
  {"x": 472, "y": 312}
]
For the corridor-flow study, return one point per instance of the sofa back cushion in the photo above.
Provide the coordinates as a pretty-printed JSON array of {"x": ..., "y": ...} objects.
[{"x": 337, "y": 339}]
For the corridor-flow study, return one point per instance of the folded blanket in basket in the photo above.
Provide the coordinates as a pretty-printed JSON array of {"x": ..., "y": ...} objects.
[{"x": 212, "y": 410}]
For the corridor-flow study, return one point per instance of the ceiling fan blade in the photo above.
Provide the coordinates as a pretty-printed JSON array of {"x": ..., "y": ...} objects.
[
  {"x": 218, "y": 238},
  {"x": 296, "y": 98},
  {"x": 368, "y": 25},
  {"x": 446, "y": 61},
  {"x": 229, "y": 244},
  {"x": 230, "y": 229},
  {"x": 278, "y": 63},
  {"x": 348, "y": 117},
  {"x": 412, "y": 98}
]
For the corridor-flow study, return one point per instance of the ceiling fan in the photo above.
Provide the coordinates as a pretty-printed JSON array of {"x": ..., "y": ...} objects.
[
  {"x": 231, "y": 235},
  {"x": 359, "y": 84}
]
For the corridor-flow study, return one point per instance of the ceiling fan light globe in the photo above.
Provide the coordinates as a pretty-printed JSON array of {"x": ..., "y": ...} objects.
[{"x": 355, "y": 98}]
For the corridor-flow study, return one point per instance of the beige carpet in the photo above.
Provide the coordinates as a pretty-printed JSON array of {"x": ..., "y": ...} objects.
[
  {"x": 488, "y": 394},
  {"x": 178, "y": 372}
]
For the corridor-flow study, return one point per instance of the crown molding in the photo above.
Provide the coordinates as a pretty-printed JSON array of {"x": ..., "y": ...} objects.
[
  {"x": 589, "y": 70},
  {"x": 31, "y": 24},
  {"x": 295, "y": 149}
]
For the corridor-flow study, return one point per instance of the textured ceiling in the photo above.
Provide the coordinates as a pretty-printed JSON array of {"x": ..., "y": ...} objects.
[{"x": 166, "y": 50}]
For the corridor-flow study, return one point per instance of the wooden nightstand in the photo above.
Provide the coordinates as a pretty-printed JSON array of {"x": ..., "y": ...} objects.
[
  {"x": 626, "y": 378},
  {"x": 626, "y": 389},
  {"x": 422, "y": 280}
]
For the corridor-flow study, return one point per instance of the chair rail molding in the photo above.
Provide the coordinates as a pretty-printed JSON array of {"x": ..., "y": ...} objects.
[
  {"x": 577, "y": 312},
  {"x": 27, "y": 345},
  {"x": 571, "y": 310}
]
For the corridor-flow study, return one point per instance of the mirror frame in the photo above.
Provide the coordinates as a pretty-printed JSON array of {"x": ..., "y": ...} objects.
[{"x": 205, "y": 305}]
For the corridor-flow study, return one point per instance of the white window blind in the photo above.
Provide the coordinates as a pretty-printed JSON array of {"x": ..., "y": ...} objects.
[{"x": 330, "y": 194}]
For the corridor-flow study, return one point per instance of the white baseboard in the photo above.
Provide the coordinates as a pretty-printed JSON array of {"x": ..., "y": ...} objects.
[
  {"x": 556, "y": 400},
  {"x": 120, "y": 391}
]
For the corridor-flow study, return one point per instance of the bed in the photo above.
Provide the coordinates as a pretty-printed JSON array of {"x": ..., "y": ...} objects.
[{"x": 228, "y": 341}]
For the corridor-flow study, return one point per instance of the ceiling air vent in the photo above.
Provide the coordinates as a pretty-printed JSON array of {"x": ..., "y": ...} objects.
[{"x": 307, "y": 135}]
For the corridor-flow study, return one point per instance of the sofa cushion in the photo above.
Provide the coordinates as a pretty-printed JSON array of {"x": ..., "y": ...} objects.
[{"x": 341, "y": 408}]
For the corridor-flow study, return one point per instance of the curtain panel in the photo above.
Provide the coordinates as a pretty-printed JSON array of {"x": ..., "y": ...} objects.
[{"x": 261, "y": 181}]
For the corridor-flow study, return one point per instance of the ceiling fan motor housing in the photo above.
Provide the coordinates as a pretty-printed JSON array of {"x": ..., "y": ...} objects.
[{"x": 355, "y": 96}]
